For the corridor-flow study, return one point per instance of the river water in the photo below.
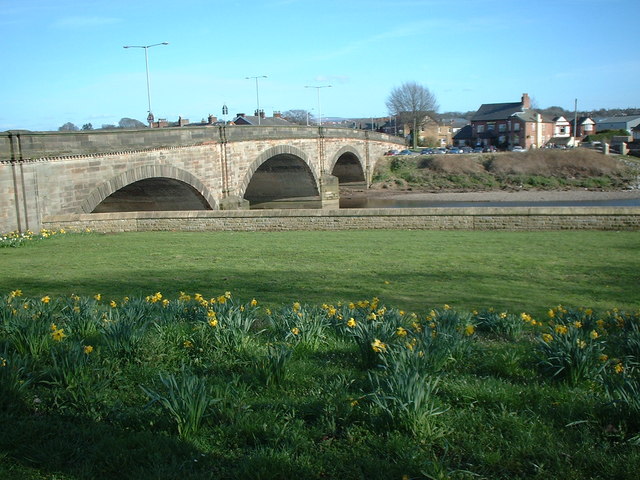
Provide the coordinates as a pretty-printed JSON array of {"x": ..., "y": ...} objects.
[{"x": 360, "y": 202}]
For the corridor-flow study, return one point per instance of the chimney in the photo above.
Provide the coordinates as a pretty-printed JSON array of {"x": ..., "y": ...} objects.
[
  {"x": 240, "y": 115},
  {"x": 526, "y": 101},
  {"x": 277, "y": 115}
]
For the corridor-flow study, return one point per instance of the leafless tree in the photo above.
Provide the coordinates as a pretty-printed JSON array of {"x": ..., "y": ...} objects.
[
  {"x": 411, "y": 103},
  {"x": 298, "y": 116}
]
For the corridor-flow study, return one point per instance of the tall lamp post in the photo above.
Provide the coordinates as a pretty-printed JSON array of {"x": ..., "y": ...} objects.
[
  {"x": 146, "y": 62},
  {"x": 318, "y": 90},
  {"x": 257, "y": 93}
]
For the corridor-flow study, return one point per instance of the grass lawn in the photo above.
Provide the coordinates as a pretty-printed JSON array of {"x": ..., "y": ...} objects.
[
  {"x": 414, "y": 270},
  {"x": 181, "y": 386}
]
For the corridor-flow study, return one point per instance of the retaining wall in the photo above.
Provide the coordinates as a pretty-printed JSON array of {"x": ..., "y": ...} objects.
[{"x": 476, "y": 218}]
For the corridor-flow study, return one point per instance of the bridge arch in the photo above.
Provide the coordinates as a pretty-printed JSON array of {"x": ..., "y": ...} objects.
[
  {"x": 281, "y": 174},
  {"x": 347, "y": 165},
  {"x": 171, "y": 176}
]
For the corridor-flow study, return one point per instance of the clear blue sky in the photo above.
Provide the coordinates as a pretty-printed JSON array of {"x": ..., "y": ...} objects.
[{"x": 63, "y": 61}]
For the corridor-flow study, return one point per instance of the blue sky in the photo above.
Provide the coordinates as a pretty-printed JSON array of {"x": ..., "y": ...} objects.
[{"x": 63, "y": 61}]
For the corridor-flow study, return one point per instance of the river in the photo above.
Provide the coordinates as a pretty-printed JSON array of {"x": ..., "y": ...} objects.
[{"x": 576, "y": 198}]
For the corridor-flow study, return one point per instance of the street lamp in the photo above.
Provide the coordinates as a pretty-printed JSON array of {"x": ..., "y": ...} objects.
[
  {"x": 318, "y": 90},
  {"x": 146, "y": 62},
  {"x": 257, "y": 93}
]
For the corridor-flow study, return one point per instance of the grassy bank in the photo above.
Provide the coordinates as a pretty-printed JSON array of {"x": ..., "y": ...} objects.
[
  {"x": 415, "y": 270},
  {"x": 378, "y": 355},
  {"x": 536, "y": 169}
]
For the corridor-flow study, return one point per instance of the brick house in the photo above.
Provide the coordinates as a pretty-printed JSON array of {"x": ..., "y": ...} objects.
[
  {"x": 505, "y": 125},
  {"x": 586, "y": 126},
  {"x": 433, "y": 132}
]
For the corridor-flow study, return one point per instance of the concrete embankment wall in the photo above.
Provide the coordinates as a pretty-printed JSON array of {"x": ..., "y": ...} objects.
[{"x": 476, "y": 218}]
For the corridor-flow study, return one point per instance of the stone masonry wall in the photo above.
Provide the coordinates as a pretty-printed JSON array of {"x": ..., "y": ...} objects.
[
  {"x": 477, "y": 218},
  {"x": 50, "y": 173}
]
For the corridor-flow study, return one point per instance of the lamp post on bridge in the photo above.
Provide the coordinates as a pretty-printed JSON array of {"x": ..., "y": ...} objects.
[
  {"x": 318, "y": 90},
  {"x": 146, "y": 62},
  {"x": 257, "y": 94}
]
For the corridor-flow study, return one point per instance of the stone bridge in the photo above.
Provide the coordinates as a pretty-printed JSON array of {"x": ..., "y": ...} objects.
[{"x": 184, "y": 168}]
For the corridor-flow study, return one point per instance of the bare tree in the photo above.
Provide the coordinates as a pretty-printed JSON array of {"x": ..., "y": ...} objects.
[
  {"x": 298, "y": 116},
  {"x": 411, "y": 103}
]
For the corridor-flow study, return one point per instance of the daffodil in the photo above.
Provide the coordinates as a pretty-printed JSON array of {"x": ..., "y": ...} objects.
[
  {"x": 561, "y": 329},
  {"x": 401, "y": 332},
  {"x": 45, "y": 299},
  {"x": 351, "y": 323},
  {"x": 87, "y": 349},
  {"x": 378, "y": 346},
  {"x": 58, "y": 334}
]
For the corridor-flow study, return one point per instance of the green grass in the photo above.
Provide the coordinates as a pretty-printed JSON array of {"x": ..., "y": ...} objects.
[
  {"x": 414, "y": 270},
  {"x": 489, "y": 411}
]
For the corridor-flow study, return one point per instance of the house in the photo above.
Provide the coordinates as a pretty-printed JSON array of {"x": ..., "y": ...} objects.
[
  {"x": 636, "y": 133},
  {"x": 432, "y": 132},
  {"x": 463, "y": 137},
  {"x": 505, "y": 125},
  {"x": 626, "y": 122},
  {"x": 260, "y": 119},
  {"x": 586, "y": 126}
]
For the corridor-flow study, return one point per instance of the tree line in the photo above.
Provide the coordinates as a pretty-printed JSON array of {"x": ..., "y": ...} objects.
[{"x": 123, "y": 123}]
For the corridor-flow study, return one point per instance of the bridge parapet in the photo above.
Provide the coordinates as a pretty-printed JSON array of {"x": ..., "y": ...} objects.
[{"x": 25, "y": 145}]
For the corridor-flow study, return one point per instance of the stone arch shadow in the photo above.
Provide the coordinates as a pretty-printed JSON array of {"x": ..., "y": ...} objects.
[
  {"x": 357, "y": 169},
  {"x": 102, "y": 191},
  {"x": 270, "y": 153}
]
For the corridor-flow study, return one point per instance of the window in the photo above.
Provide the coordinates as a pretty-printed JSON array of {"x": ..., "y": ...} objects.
[
  {"x": 502, "y": 127},
  {"x": 491, "y": 127},
  {"x": 480, "y": 128},
  {"x": 516, "y": 127},
  {"x": 588, "y": 127}
]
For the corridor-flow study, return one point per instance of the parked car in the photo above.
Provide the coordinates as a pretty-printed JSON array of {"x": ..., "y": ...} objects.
[
  {"x": 407, "y": 152},
  {"x": 466, "y": 149},
  {"x": 490, "y": 149},
  {"x": 427, "y": 151},
  {"x": 517, "y": 148},
  {"x": 440, "y": 151},
  {"x": 391, "y": 153},
  {"x": 478, "y": 150},
  {"x": 454, "y": 150}
]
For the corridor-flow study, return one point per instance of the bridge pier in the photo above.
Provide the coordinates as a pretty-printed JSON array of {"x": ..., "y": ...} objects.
[
  {"x": 329, "y": 192},
  {"x": 233, "y": 202}
]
